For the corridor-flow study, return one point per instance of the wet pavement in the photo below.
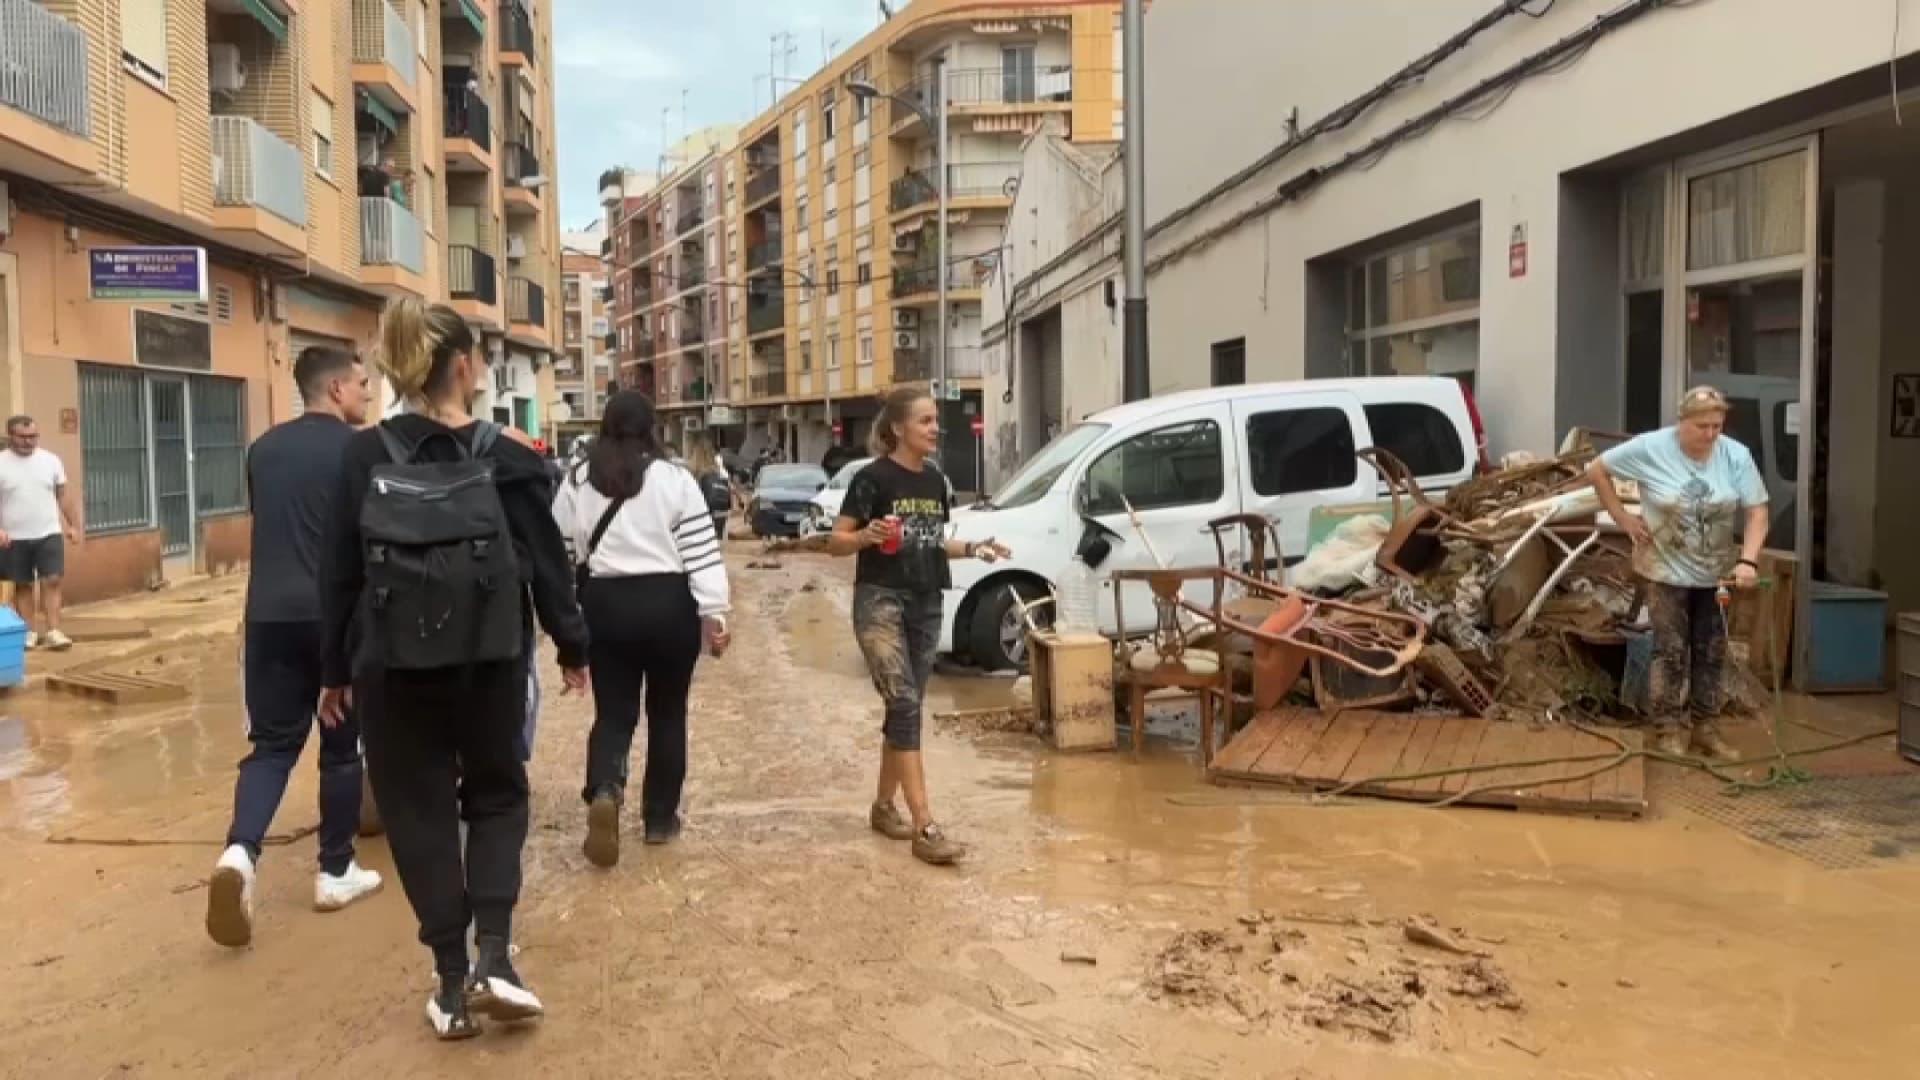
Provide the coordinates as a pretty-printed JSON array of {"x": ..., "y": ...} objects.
[{"x": 781, "y": 938}]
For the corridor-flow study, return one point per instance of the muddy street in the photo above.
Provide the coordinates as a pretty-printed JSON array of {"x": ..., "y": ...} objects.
[{"x": 1117, "y": 918}]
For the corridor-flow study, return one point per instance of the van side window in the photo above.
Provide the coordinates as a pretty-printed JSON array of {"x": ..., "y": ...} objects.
[
  {"x": 1170, "y": 466},
  {"x": 1787, "y": 460},
  {"x": 1419, "y": 435},
  {"x": 1297, "y": 450}
]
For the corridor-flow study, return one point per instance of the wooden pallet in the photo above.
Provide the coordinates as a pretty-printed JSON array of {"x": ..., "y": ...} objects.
[
  {"x": 116, "y": 688},
  {"x": 1307, "y": 749}
]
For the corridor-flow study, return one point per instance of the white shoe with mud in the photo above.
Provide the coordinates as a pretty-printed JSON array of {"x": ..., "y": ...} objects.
[
  {"x": 496, "y": 990},
  {"x": 331, "y": 892},
  {"x": 57, "y": 641},
  {"x": 447, "y": 1010},
  {"x": 230, "y": 899}
]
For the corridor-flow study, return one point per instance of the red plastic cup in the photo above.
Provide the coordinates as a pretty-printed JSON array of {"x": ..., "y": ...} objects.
[{"x": 891, "y": 545}]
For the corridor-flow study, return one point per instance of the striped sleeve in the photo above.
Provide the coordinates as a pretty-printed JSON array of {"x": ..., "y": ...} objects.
[{"x": 699, "y": 548}]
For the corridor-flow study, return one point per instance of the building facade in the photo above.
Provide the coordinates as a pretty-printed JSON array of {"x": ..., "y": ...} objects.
[
  {"x": 1578, "y": 209},
  {"x": 584, "y": 371},
  {"x": 821, "y": 249},
  {"x": 326, "y": 155}
]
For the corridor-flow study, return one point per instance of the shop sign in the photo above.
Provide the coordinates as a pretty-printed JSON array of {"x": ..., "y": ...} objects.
[
  {"x": 1517, "y": 252},
  {"x": 173, "y": 274}
]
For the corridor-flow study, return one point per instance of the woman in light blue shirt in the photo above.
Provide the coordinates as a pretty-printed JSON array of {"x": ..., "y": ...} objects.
[{"x": 1696, "y": 490}]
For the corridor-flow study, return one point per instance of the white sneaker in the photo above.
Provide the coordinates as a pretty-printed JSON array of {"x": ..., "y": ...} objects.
[
  {"x": 58, "y": 641},
  {"x": 230, "y": 898},
  {"x": 331, "y": 893},
  {"x": 33, "y": 640}
]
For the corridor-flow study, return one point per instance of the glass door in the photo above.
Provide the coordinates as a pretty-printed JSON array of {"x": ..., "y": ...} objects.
[{"x": 172, "y": 465}]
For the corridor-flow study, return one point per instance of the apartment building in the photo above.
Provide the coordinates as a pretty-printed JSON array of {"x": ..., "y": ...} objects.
[
  {"x": 583, "y": 374},
  {"x": 821, "y": 283},
  {"x": 310, "y": 160}
]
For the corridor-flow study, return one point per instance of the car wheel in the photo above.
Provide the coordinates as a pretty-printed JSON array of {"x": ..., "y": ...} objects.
[{"x": 998, "y": 636}]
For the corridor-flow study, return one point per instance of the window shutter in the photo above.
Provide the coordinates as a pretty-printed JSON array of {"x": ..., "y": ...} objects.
[{"x": 143, "y": 34}]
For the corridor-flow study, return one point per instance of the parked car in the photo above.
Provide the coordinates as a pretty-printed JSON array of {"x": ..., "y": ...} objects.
[
  {"x": 780, "y": 495},
  {"x": 1766, "y": 417},
  {"x": 1180, "y": 461},
  {"x": 824, "y": 507}
]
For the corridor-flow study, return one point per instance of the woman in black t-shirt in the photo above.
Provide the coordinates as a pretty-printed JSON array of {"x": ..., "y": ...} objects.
[{"x": 895, "y": 519}]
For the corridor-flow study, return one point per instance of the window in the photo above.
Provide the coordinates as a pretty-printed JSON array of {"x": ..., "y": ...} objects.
[
  {"x": 710, "y": 189},
  {"x": 800, "y": 133},
  {"x": 1173, "y": 466},
  {"x": 1419, "y": 435},
  {"x": 113, "y": 448},
  {"x": 1415, "y": 310},
  {"x": 321, "y": 113},
  {"x": 1786, "y": 438},
  {"x": 866, "y": 352},
  {"x": 143, "y": 38},
  {"x": 1016, "y": 73},
  {"x": 800, "y": 213},
  {"x": 1747, "y": 213},
  {"x": 219, "y": 444},
  {"x": 833, "y": 281},
  {"x": 862, "y": 107},
  {"x": 733, "y": 310},
  {"x": 833, "y": 352},
  {"x": 1230, "y": 362},
  {"x": 826, "y": 115},
  {"x": 864, "y": 273},
  {"x": 422, "y": 24},
  {"x": 1298, "y": 450},
  {"x": 806, "y": 356},
  {"x": 863, "y": 157}
]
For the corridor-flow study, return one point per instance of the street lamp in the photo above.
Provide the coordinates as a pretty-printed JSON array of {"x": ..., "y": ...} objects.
[{"x": 936, "y": 121}]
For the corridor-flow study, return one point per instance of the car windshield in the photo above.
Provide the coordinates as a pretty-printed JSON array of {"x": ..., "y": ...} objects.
[
  {"x": 1038, "y": 476},
  {"x": 792, "y": 476},
  {"x": 845, "y": 476}
]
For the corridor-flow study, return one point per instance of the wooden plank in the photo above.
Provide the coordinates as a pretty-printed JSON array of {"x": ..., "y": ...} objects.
[
  {"x": 1465, "y": 752},
  {"x": 1329, "y": 760},
  {"x": 1606, "y": 786},
  {"x": 1440, "y": 755},
  {"x": 1627, "y": 790},
  {"x": 1380, "y": 754},
  {"x": 1504, "y": 741},
  {"x": 1570, "y": 794},
  {"x": 1292, "y": 747},
  {"x": 1413, "y": 756},
  {"x": 1245, "y": 748}
]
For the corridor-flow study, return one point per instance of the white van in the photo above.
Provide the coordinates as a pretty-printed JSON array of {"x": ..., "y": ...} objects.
[{"x": 1183, "y": 460}]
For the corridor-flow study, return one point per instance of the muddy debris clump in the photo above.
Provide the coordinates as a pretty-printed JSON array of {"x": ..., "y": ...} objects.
[{"x": 1382, "y": 980}]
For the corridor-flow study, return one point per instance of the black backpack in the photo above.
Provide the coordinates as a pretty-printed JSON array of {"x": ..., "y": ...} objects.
[
  {"x": 443, "y": 583},
  {"x": 718, "y": 491}
]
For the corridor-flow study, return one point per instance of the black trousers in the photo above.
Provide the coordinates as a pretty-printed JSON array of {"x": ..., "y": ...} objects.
[
  {"x": 645, "y": 633},
  {"x": 443, "y": 747},
  {"x": 280, "y": 682},
  {"x": 1687, "y": 682}
]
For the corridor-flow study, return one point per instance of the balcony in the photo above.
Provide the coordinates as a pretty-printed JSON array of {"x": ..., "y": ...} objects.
[
  {"x": 988, "y": 90},
  {"x": 692, "y": 332},
  {"x": 763, "y": 185},
  {"x": 771, "y": 383},
  {"x": 974, "y": 183},
  {"x": 914, "y": 281},
  {"x": 43, "y": 73},
  {"x": 520, "y": 165},
  {"x": 467, "y": 123},
  {"x": 516, "y": 35},
  {"x": 259, "y": 186},
  {"x": 527, "y": 309},
  {"x": 916, "y": 365},
  {"x": 693, "y": 275},
  {"x": 764, "y": 254},
  {"x": 692, "y": 218},
  {"x": 472, "y": 276},
  {"x": 384, "y": 56},
  {"x": 393, "y": 249},
  {"x": 765, "y": 312}
]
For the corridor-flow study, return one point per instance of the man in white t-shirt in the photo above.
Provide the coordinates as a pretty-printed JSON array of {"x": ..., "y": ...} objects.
[{"x": 36, "y": 522}]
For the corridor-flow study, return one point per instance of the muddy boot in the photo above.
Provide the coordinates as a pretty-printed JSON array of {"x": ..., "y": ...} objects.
[
  {"x": 496, "y": 990},
  {"x": 1709, "y": 743},
  {"x": 663, "y": 832},
  {"x": 935, "y": 847},
  {"x": 602, "y": 846},
  {"x": 447, "y": 1010},
  {"x": 886, "y": 820},
  {"x": 370, "y": 823},
  {"x": 1672, "y": 743}
]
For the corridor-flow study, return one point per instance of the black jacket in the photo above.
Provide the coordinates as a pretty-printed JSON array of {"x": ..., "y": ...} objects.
[{"x": 521, "y": 476}]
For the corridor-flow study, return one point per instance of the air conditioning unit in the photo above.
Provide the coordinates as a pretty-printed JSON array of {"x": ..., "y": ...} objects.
[
  {"x": 906, "y": 319},
  {"x": 225, "y": 72},
  {"x": 503, "y": 378},
  {"x": 906, "y": 241},
  {"x": 516, "y": 247},
  {"x": 906, "y": 339},
  {"x": 692, "y": 423}
]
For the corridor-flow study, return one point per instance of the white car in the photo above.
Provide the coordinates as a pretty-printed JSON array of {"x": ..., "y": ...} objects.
[{"x": 824, "y": 507}]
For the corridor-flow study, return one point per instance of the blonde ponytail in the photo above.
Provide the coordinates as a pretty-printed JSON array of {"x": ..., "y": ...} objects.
[{"x": 416, "y": 344}]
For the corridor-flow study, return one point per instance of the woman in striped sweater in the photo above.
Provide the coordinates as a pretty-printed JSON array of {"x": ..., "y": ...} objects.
[{"x": 654, "y": 590}]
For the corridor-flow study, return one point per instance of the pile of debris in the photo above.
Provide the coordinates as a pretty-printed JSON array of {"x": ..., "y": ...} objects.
[{"x": 1379, "y": 979}]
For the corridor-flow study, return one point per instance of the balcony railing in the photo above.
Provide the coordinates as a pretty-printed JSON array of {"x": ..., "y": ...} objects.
[
  {"x": 973, "y": 180},
  {"x": 43, "y": 65},
  {"x": 380, "y": 36},
  {"x": 390, "y": 236},
  {"x": 692, "y": 218},
  {"x": 770, "y": 383},
  {"x": 765, "y": 253},
  {"x": 765, "y": 311},
  {"x": 516, "y": 31},
  {"x": 914, "y": 281},
  {"x": 472, "y": 275},
  {"x": 692, "y": 331},
  {"x": 526, "y": 301},
  {"x": 693, "y": 275},
  {"x": 916, "y": 365},
  {"x": 998, "y": 86},
  {"x": 254, "y": 167},
  {"x": 521, "y": 162},
  {"x": 763, "y": 184},
  {"x": 467, "y": 117}
]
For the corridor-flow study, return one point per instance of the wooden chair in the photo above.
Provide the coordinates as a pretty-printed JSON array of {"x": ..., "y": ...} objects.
[{"x": 1166, "y": 661}]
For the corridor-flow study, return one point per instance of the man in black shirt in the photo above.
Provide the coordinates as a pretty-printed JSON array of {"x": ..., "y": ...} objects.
[{"x": 292, "y": 473}]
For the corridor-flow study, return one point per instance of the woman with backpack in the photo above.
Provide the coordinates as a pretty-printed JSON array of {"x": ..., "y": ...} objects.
[
  {"x": 439, "y": 534},
  {"x": 654, "y": 588},
  {"x": 713, "y": 480},
  {"x": 895, "y": 520}
]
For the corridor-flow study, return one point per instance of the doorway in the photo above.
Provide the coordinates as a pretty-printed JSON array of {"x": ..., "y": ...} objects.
[{"x": 172, "y": 468}]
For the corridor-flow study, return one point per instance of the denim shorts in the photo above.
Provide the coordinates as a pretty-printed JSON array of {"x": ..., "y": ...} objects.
[{"x": 898, "y": 631}]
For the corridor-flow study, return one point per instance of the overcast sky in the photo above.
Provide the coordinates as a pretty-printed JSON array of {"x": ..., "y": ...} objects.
[{"x": 620, "y": 62}]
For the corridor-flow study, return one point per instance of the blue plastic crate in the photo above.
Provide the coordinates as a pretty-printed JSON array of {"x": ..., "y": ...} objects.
[
  {"x": 13, "y": 648},
  {"x": 1847, "y": 639}
]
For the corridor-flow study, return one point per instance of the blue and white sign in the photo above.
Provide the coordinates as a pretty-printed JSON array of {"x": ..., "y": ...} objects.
[{"x": 175, "y": 274}]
